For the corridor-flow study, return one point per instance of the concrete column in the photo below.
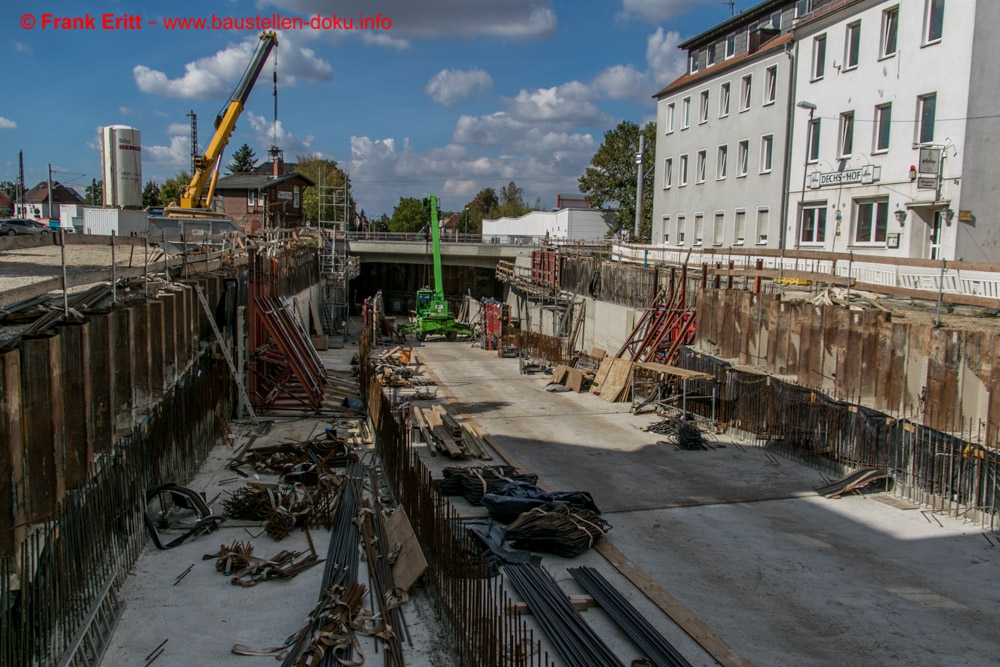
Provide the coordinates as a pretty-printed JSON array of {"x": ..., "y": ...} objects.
[
  {"x": 13, "y": 503},
  {"x": 75, "y": 339},
  {"x": 124, "y": 366},
  {"x": 102, "y": 380},
  {"x": 44, "y": 441},
  {"x": 156, "y": 349},
  {"x": 141, "y": 360}
]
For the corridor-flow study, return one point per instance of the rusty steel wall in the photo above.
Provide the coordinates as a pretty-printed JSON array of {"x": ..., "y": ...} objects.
[{"x": 943, "y": 377}]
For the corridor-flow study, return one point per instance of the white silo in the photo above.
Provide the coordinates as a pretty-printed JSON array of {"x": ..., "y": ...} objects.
[{"x": 121, "y": 164}]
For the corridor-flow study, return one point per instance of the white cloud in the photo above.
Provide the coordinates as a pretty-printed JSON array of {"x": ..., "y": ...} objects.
[
  {"x": 385, "y": 40},
  {"x": 125, "y": 111},
  {"x": 178, "y": 128},
  {"x": 269, "y": 132},
  {"x": 20, "y": 46},
  {"x": 453, "y": 85},
  {"x": 567, "y": 103},
  {"x": 657, "y": 11},
  {"x": 665, "y": 61},
  {"x": 436, "y": 19},
  {"x": 175, "y": 157},
  {"x": 216, "y": 76},
  {"x": 7, "y": 124},
  {"x": 623, "y": 82}
]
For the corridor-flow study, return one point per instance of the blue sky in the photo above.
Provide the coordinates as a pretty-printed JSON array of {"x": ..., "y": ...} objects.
[{"x": 455, "y": 96}]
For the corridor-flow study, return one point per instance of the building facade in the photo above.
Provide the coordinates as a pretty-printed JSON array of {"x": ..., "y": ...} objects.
[
  {"x": 721, "y": 135},
  {"x": 258, "y": 201},
  {"x": 879, "y": 132}
]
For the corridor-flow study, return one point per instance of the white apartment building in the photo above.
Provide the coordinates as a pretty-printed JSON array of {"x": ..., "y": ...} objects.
[
  {"x": 880, "y": 132},
  {"x": 721, "y": 134}
]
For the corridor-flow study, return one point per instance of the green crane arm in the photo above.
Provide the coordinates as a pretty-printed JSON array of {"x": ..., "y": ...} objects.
[
  {"x": 436, "y": 238},
  {"x": 207, "y": 165}
]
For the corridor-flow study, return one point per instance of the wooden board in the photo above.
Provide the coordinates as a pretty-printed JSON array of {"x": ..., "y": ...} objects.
[
  {"x": 618, "y": 381},
  {"x": 560, "y": 373},
  {"x": 317, "y": 328},
  {"x": 410, "y": 562},
  {"x": 602, "y": 374},
  {"x": 443, "y": 436},
  {"x": 575, "y": 379}
]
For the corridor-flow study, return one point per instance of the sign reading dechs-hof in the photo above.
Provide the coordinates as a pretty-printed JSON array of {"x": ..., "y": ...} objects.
[
  {"x": 930, "y": 162},
  {"x": 863, "y": 175}
]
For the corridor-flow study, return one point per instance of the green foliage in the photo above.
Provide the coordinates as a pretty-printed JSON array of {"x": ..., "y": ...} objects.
[
  {"x": 244, "y": 160},
  {"x": 94, "y": 194},
  {"x": 610, "y": 180},
  {"x": 480, "y": 207},
  {"x": 9, "y": 188},
  {"x": 327, "y": 173},
  {"x": 409, "y": 215},
  {"x": 171, "y": 189},
  {"x": 512, "y": 203},
  {"x": 151, "y": 195}
]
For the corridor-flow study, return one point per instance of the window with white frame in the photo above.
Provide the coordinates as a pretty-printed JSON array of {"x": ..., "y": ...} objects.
[
  {"x": 731, "y": 46},
  {"x": 743, "y": 158},
  {"x": 933, "y": 21},
  {"x": 724, "y": 99},
  {"x": 702, "y": 159},
  {"x": 770, "y": 84},
  {"x": 926, "y": 111},
  {"x": 251, "y": 199},
  {"x": 871, "y": 221},
  {"x": 693, "y": 62},
  {"x": 776, "y": 20},
  {"x": 297, "y": 196},
  {"x": 703, "y": 111},
  {"x": 890, "y": 32},
  {"x": 819, "y": 57},
  {"x": 845, "y": 144},
  {"x": 685, "y": 113},
  {"x": 719, "y": 228},
  {"x": 721, "y": 161},
  {"x": 766, "y": 151},
  {"x": 739, "y": 226},
  {"x": 699, "y": 228},
  {"x": 668, "y": 172},
  {"x": 852, "y": 46},
  {"x": 671, "y": 112},
  {"x": 683, "y": 170},
  {"x": 763, "y": 220},
  {"x": 814, "y": 128},
  {"x": 711, "y": 55},
  {"x": 666, "y": 229},
  {"x": 802, "y": 7},
  {"x": 746, "y": 86},
  {"x": 883, "y": 125},
  {"x": 680, "y": 228},
  {"x": 812, "y": 225}
]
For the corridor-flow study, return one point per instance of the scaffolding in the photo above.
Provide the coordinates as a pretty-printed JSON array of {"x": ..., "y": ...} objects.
[{"x": 337, "y": 267}]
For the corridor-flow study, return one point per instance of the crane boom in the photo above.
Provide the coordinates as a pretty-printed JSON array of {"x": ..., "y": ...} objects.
[{"x": 193, "y": 196}]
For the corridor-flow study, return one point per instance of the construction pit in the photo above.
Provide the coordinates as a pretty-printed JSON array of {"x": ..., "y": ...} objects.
[{"x": 728, "y": 551}]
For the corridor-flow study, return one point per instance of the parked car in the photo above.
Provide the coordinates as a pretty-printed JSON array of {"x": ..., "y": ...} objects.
[{"x": 13, "y": 226}]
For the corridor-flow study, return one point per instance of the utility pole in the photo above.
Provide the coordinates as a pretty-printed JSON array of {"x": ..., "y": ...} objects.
[
  {"x": 20, "y": 185},
  {"x": 638, "y": 186},
  {"x": 50, "y": 193}
]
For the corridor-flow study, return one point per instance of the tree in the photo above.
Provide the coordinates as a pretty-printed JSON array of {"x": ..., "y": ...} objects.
[
  {"x": 171, "y": 189},
  {"x": 9, "y": 188},
  {"x": 481, "y": 206},
  {"x": 94, "y": 194},
  {"x": 244, "y": 160},
  {"x": 610, "y": 180},
  {"x": 511, "y": 202},
  {"x": 409, "y": 215},
  {"x": 324, "y": 173},
  {"x": 151, "y": 195}
]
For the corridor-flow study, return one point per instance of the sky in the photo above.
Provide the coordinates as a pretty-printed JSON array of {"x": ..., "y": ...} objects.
[{"x": 433, "y": 96}]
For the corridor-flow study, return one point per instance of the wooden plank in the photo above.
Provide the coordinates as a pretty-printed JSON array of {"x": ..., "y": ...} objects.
[
  {"x": 317, "y": 329},
  {"x": 444, "y": 437},
  {"x": 575, "y": 379},
  {"x": 618, "y": 380},
  {"x": 560, "y": 373},
  {"x": 602, "y": 374},
  {"x": 410, "y": 561},
  {"x": 678, "y": 613},
  {"x": 579, "y": 602}
]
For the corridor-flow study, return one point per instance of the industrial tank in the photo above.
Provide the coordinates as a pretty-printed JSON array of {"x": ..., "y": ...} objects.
[{"x": 121, "y": 165}]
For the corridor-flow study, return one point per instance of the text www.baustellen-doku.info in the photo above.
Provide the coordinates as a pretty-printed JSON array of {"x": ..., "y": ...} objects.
[{"x": 53, "y": 22}]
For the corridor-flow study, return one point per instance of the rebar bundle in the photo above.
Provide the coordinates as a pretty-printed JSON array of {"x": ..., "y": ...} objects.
[
  {"x": 681, "y": 433},
  {"x": 654, "y": 645},
  {"x": 247, "y": 570},
  {"x": 573, "y": 639},
  {"x": 557, "y": 529},
  {"x": 474, "y": 483}
]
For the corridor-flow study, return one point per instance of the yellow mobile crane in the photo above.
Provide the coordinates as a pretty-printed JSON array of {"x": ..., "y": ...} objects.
[{"x": 194, "y": 201}]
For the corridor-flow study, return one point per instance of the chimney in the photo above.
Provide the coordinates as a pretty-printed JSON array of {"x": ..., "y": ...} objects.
[{"x": 277, "y": 161}]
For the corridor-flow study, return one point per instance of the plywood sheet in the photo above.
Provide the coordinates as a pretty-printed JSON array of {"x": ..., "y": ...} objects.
[{"x": 410, "y": 562}]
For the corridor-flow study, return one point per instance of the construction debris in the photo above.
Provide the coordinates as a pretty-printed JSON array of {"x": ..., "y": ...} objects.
[
  {"x": 557, "y": 529},
  {"x": 682, "y": 433},
  {"x": 248, "y": 570},
  {"x": 443, "y": 432},
  {"x": 852, "y": 298}
]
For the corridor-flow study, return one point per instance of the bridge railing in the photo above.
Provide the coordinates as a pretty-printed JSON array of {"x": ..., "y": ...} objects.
[{"x": 447, "y": 237}]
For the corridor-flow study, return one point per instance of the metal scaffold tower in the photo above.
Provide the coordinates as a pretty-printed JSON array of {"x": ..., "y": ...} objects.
[{"x": 336, "y": 264}]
